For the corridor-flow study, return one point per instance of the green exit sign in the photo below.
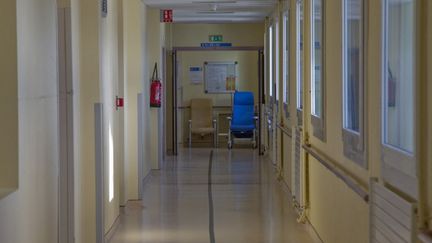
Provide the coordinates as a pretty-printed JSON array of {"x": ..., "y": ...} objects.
[{"x": 215, "y": 38}]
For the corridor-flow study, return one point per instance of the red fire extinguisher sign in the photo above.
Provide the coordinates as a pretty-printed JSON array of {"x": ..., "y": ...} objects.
[
  {"x": 166, "y": 16},
  {"x": 155, "y": 89}
]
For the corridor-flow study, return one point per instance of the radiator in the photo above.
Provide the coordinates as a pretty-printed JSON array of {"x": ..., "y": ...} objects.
[
  {"x": 392, "y": 218},
  {"x": 297, "y": 171}
]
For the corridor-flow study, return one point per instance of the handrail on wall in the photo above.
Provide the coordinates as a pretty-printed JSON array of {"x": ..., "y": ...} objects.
[
  {"x": 347, "y": 179},
  {"x": 285, "y": 130},
  {"x": 214, "y": 107}
]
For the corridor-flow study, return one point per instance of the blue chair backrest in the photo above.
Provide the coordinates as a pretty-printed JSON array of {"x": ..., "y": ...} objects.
[{"x": 243, "y": 108}]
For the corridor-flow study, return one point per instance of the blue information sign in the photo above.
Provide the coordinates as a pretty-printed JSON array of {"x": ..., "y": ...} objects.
[{"x": 210, "y": 45}]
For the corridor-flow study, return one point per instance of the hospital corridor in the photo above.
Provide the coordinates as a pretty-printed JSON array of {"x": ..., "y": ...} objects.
[{"x": 220, "y": 121}]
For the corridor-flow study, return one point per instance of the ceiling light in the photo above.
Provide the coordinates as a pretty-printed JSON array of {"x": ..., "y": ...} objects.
[
  {"x": 215, "y": 12},
  {"x": 215, "y": 2}
]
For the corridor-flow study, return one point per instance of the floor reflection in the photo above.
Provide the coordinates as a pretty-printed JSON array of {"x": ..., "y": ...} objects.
[{"x": 248, "y": 204}]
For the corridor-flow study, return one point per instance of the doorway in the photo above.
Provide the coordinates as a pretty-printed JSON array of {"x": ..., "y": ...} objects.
[{"x": 182, "y": 88}]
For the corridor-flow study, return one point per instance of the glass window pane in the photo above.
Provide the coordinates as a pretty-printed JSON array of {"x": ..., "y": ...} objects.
[
  {"x": 399, "y": 75},
  {"x": 353, "y": 63},
  {"x": 317, "y": 34},
  {"x": 300, "y": 46},
  {"x": 270, "y": 58},
  {"x": 276, "y": 61},
  {"x": 286, "y": 58}
]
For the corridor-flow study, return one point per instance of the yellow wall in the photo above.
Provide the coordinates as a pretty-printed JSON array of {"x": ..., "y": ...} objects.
[
  {"x": 85, "y": 54},
  {"x": 109, "y": 83},
  {"x": 8, "y": 98},
  {"x": 132, "y": 27},
  {"x": 155, "y": 43},
  {"x": 28, "y": 67},
  {"x": 336, "y": 212},
  {"x": 237, "y": 34},
  {"x": 121, "y": 67},
  {"x": 247, "y": 74}
]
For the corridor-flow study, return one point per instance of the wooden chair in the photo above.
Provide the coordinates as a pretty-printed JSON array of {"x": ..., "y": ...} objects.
[{"x": 202, "y": 121}]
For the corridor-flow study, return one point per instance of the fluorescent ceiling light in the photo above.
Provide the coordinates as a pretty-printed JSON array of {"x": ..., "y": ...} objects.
[
  {"x": 215, "y": 12},
  {"x": 214, "y": 2}
]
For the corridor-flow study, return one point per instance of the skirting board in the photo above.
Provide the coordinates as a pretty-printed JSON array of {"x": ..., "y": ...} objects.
[
  {"x": 114, "y": 227},
  {"x": 308, "y": 226},
  {"x": 112, "y": 230}
]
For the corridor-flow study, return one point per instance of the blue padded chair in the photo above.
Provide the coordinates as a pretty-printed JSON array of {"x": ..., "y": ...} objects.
[{"x": 243, "y": 121}]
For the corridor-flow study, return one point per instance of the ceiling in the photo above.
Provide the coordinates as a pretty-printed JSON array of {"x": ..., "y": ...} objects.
[{"x": 210, "y": 11}]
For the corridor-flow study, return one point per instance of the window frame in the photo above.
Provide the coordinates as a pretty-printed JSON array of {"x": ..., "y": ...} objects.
[
  {"x": 399, "y": 167},
  {"x": 270, "y": 61},
  {"x": 286, "y": 62},
  {"x": 276, "y": 64},
  {"x": 299, "y": 61},
  {"x": 318, "y": 122},
  {"x": 354, "y": 142}
]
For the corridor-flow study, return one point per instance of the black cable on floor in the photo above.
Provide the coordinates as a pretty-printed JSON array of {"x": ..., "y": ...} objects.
[{"x": 210, "y": 200}]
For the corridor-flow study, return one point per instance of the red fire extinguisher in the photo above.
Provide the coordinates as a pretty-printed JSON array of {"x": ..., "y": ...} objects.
[{"x": 155, "y": 89}]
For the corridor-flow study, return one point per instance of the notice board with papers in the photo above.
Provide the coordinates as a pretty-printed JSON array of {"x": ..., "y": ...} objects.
[{"x": 220, "y": 77}]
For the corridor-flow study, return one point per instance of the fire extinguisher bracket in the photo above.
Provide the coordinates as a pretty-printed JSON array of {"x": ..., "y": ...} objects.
[{"x": 155, "y": 89}]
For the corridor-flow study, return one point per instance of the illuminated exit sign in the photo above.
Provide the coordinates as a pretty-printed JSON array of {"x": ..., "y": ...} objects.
[
  {"x": 166, "y": 16},
  {"x": 215, "y": 38}
]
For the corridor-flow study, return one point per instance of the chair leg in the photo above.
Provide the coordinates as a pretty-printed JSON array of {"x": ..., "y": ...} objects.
[
  {"x": 190, "y": 138},
  {"x": 230, "y": 145},
  {"x": 215, "y": 135},
  {"x": 254, "y": 142}
]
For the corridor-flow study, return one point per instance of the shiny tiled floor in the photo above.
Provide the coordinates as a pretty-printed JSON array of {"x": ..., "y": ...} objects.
[{"x": 248, "y": 205}]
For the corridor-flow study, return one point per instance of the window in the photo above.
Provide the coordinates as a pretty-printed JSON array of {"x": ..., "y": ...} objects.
[
  {"x": 317, "y": 73},
  {"x": 299, "y": 50},
  {"x": 317, "y": 57},
  {"x": 353, "y": 75},
  {"x": 276, "y": 60},
  {"x": 286, "y": 94},
  {"x": 353, "y": 64},
  {"x": 398, "y": 74},
  {"x": 270, "y": 58},
  {"x": 398, "y": 91}
]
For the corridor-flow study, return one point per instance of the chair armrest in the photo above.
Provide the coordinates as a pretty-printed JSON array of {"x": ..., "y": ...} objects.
[{"x": 229, "y": 122}]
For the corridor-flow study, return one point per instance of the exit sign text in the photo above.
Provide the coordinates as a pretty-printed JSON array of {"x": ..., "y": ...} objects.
[{"x": 215, "y": 38}]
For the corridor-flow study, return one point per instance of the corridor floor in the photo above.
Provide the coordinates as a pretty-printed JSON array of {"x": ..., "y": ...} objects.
[{"x": 206, "y": 195}]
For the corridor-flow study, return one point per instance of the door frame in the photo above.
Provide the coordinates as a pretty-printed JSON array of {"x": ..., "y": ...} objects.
[
  {"x": 66, "y": 195},
  {"x": 175, "y": 50}
]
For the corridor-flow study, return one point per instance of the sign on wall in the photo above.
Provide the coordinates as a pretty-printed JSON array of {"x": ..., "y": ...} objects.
[
  {"x": 212, "y": 45},
  {"x": 215, "y": 38},
  {"x": 196, "y": 75},
  {"x": 166, "y": 15}
]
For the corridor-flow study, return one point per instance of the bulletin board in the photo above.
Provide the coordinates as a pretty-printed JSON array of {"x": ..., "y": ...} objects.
[{"x": 220, "y": 77}]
